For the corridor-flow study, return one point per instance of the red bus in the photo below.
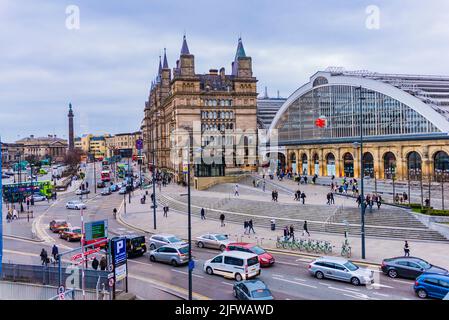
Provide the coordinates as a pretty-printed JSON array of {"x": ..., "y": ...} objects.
[{"x": 106, "y": 176}]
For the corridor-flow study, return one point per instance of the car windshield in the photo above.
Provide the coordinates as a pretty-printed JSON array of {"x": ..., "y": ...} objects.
[
  {"x": 173, "y": 239},
  {"x": 261, "y": 293},
  {"x": 138, "y": 241},
  {"x": 253, "y": 261},
  {"x": 350, "y": 266},
  {"x": 423, "y": 264},
  {"x": 221, "y": 237},
  {"x": 76, "y": 230},
  {"x": 184, "y": 250},
  {"x": 257, "y": 250}
]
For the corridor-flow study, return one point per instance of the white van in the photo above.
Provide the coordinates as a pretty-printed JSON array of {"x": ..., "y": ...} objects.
[{"x": 234, "y": 264}]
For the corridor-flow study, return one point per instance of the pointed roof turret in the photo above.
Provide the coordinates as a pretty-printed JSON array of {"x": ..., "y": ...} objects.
[
  {"x": 240, "y": 50},
  {"x": 185, "y": 47},
  {"x": 70, "y": 110},
  {"x": 165, "y": 59}
]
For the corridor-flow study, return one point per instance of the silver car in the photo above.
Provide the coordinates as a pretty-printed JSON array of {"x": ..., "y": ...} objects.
[
  {"x": 175, "y": 254},
  {"x": 159, "y": 240},
  {"x": 75, "y": 205},
  {"x": 213, "y": 240},
  {"x": 340, "y": 269}
]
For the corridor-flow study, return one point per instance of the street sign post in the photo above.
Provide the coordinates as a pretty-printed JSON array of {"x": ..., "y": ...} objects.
[{"x": 119, "y": 262}]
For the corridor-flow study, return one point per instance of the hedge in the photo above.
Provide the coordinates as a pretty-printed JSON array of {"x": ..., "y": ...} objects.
[{"x": 431, "y": 212}]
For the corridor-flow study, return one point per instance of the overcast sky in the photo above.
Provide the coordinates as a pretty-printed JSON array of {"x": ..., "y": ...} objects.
[{"x": 105, "y": 67}]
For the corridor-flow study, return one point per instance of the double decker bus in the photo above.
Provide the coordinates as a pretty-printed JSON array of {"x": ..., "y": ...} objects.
[
  {"x": 105, "y": 175},
  {"x": 17, "y": 192}
]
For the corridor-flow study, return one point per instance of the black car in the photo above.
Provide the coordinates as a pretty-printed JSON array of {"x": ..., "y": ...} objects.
[
  {"x": 135, "y": 245},
  {"x": 101, "y": 184},
  {"x": 409, "y": 267}
]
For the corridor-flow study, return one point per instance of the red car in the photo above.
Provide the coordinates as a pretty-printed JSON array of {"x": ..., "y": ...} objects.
[{"x": 265, "y": 259}]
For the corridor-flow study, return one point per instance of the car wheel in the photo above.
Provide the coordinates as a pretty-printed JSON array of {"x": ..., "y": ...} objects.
[
  {"x": 200, "y": 245},
  {"x": 174, "y": 263},
  {"x": 209, "y": 271},
  {"x": 238, "y": 277},
  {"x": 392, "y": 273},
  {"x": 152, "y": 258},
  {"x": 152, "y": 246},
  {"x": 222, "y": 247},
  {"x": 422, "y": 293},
  {"x": 319, "y": 275},
  {"x": 355, "y": 281}
]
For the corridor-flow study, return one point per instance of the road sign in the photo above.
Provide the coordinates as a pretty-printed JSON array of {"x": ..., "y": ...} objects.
[
  {"x": 111, "y": 282},
  {"x": 61, "y": 289},
  {"x": 96, "y": 230},
  {"x": 119, "y": 250},
  {"x": 87, "y": 253},
  {"x": 110, "y": 275},
  {"x": 120, "y": 272},
  {"x": 111, "y": 267}
]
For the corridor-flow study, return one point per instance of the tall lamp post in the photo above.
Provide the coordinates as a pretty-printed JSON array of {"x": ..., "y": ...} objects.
[
  {"x": 1, "y": 212},
  {"x": 154, "y": 173},
  {"x": 362, "y": 197}
]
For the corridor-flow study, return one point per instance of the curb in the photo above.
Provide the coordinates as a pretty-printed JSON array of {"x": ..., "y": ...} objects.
[{"x": 23, "y": 238}]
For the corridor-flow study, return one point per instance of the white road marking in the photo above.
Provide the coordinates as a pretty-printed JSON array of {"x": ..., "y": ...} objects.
[
  {"x": 381, "y": 294},
  {"x": 186, "y": 273},
  {"x": 287, "y": 263},
  {"x": 140, "y": 262},
  {"x": 352, "y": 289},
  {"x": 381, "y": 285},
  {"x": 227, "y": 283},
  {"x": 304, "y": 260},
  {"x": 299, "y": 279},
  {"x": 356, "y": 297},
  {"x": 402, "y": 281},
  {"x": 278, "y": 275},
  {"x": 324, "y": 284},
  {"x": 294, "y": 282}
]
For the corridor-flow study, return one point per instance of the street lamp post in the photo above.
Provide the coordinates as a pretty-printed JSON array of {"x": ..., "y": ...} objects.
[{"x": 362, "y": 202}]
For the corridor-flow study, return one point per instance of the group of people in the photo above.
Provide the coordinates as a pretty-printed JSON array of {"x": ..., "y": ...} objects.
[
  {"x": 248, "y": 226},
  {"x": 45, "y": 259},
  {"x": 401, "y": 198},
  {"x": 330, "y": 198},
  {"x": 300, "y": 196},
  {"x": 289, "y": 231},
  {"x": 369, "y": 201}
]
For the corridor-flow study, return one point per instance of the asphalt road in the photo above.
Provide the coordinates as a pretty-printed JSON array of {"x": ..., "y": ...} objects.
[{"x": 287, "y": 279}]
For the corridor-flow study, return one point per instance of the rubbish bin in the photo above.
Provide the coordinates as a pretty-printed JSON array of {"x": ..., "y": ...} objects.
[{"x": 273, "y": 225}]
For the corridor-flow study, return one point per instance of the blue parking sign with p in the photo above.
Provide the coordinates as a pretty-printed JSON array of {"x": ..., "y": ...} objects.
[{"x": 119, "y": 247}]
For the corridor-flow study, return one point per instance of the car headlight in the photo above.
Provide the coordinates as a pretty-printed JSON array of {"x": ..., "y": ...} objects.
[{"x": 264, "y": 259}]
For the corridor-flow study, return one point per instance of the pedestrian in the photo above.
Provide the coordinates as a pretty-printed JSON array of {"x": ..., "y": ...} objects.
[
  {"x": 263, "y": 186},
  {"x": 44, "y": 257},
  {"x": 55, "y": 252},
  {"x": 236, "y": 190},
  {"x": 405, "y": 196},
  {"x": 292, "y": 233},
  {"x": 95, "y": 263},
  {"x": 286, "y": 233},
  {"x": 222, "y": 218},
  {"x": 406, "y": 249},
  {"x": 305, "y": 229},
  {"x": 15, "y": 214},
  {"x": 251, "y": 226},
  {"x": 272, "y": 195},
  {"x": 378, "y": 201},
  {"x": 245, "y": 226},
  {"x": 28, "y": 203},
  {"x": 203, "y": 214},
  {"x": 303, "y": 198},
  {"x": 328, "y": 196},
  {"x": 103, "y": 263},
  {"x": 332, "y": 198},
  {"x": 164, "y": 209},
  {"x": 305, "y": 179},
  {"x": 114, "y": 213},
  {"x": 427, "y": 201}
]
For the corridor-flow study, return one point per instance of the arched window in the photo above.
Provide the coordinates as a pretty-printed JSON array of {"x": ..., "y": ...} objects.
[
  {"x": 441, "y": 166},
  {"x": 389, "y": 165},
  {"x": 348, "y": 165},
  {"x": 368, "y": 165},
  {"x": 316, "y": 162},
  {"x": 330, "y": 164},
  {"x": 414, "y": 165},
  {"x": 305, "y": 164}
]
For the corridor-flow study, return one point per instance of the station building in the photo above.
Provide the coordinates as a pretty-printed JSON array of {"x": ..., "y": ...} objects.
[{"x": 404, "y": 121}]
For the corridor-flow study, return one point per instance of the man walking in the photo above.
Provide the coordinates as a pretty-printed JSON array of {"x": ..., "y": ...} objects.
[
  {"x": 406, "y": 249},
  {"x": 263, "y": 186},
  {"x": 95, "y": 263},
  {"x": 292, "y": 233},
  {"x": 55, "y": 252},
  {"x": 303, "y": 198},
  {"x": 203, "y": 214},
  {"x": 44, "y": 257},
  {"x": 222, "y": 218},
  {"x": 305, "y": 229},
  {"x": 250, "y": 226},
  {"x": 332, "y": 198},
  {"x": 236, "y": 190},
  {"x": 103, "y": 263},
  {"x": 328, "y": 196}
]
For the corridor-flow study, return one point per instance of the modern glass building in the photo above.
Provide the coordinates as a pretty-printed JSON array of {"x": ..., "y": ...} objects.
[{"x": 405, "y": 121}]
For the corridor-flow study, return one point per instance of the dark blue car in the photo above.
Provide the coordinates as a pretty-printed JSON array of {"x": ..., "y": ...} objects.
[
  {"x": 432, "y": 286},
  {"x": 114, "y": 188}
]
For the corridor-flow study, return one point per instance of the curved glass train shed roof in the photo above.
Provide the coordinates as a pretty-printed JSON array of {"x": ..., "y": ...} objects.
[{"x": 393, "y": 107}]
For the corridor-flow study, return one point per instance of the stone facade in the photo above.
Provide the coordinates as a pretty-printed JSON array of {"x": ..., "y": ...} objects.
[
  {"x": 217, "y": 102},
  {"x": 320, "y": 157}
]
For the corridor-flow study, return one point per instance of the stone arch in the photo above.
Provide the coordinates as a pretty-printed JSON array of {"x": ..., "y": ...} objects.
[
  {"x": 441, "y": 165},
  {"x": 304, "y": 163},
  {"x": 316, "y": 163},
  {"x": 390, "y": 165},
  {"x": 368, "y": 165},
  {"x": 414, "y": 165},
  {"x": 348, "y": 165},
  {"x": 330, "y": 164}
]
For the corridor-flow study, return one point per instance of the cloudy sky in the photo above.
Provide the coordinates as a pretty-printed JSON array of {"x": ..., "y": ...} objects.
[{"x": 105, "y": 67}]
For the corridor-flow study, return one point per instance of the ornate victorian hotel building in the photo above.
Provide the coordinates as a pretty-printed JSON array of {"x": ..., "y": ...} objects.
[
  {"x": 405, "y": 121},
  {"x": 216, "y": 101}
]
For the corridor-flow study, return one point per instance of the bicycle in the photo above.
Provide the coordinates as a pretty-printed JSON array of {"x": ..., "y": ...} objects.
[{"x": 346, "y": 249}]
